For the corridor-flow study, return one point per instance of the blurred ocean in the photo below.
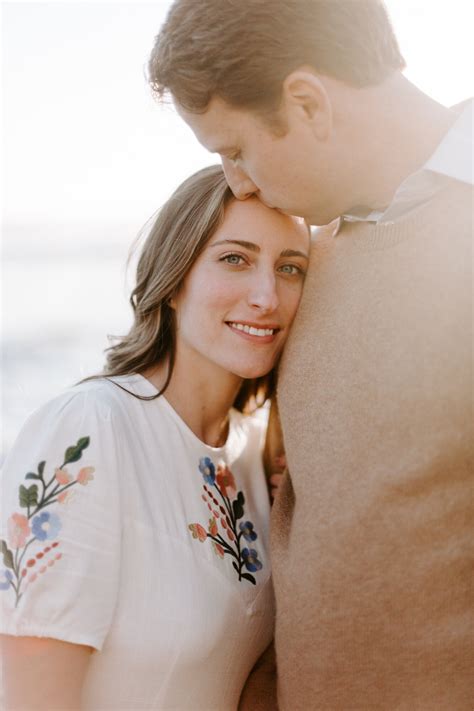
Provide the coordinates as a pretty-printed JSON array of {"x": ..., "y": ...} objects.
[{"x": 64, "y": 289}]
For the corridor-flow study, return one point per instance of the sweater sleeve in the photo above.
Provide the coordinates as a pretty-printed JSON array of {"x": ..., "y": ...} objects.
[{"x": 60, "y": 523}]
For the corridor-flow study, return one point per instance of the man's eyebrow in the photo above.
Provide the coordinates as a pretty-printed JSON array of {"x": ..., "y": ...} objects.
[{"x": 255, "y": 248}]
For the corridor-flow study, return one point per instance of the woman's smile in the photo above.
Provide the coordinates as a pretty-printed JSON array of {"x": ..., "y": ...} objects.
[{"x": 254, "y": 332}]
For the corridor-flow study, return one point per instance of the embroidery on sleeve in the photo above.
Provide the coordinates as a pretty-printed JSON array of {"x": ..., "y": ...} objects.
[
  {"x": 225, "y": 515},
  {"x": 37, "y": 525}
]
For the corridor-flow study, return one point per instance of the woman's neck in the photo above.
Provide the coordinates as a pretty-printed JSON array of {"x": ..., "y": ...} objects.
[{"x": 202, "y": 399}]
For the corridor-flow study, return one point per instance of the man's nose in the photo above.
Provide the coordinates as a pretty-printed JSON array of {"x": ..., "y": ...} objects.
[
  {"x": 263, "y": 293},
  {"x": 239, "y": 182}
]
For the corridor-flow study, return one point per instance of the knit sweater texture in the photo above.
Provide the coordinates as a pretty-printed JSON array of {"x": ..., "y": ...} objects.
[{"x": 372, "y": 530}]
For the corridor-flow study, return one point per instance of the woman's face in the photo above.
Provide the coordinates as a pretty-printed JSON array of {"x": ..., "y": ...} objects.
[{"x": 239, "y": 299}]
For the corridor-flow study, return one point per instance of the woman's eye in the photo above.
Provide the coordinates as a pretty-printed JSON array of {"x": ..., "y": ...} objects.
[
  {"x": 291, "y": 269},
  {"x": 234, "y": 259}
]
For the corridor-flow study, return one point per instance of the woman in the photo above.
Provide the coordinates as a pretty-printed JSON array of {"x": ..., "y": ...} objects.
[{"x": 136, "y": 572}]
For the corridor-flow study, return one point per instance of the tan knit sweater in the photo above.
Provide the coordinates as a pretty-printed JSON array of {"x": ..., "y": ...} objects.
[{"x": 372, "y": 541}]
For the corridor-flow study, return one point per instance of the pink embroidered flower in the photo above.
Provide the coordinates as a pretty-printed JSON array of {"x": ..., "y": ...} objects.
[
  {"x": 218, "y": 549},
  {"x": 85, "y": 475},
  {"x": 18, "y": 530},
  {"x": 198, "y": 531},
  {"x": 65, "y": 497},
  {"x": 213, "y": 527},
  {"x": 225, "y": 481},
  {"x": 62, "y": 476}
]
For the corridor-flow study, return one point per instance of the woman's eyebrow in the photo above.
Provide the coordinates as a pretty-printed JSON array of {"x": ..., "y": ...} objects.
[
  {"x": 293, "y": 253},
  {"x": 255, "y": 248},
  {"x": 247, "y": 245}
]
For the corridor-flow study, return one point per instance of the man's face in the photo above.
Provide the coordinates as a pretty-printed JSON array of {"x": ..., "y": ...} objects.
[{"x": 283, "y": 171}]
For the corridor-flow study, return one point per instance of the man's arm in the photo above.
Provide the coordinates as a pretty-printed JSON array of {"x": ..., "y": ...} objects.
[{"x": 260, "y": 693}]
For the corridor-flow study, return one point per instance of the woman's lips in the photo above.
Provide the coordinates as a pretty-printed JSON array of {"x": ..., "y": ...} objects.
[{"x": 257, "y": 333}]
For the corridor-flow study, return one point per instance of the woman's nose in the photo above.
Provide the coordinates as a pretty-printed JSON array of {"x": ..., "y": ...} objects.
[
  {"x": 263, "y": 293},
  {"x": 239, "y": 182}
]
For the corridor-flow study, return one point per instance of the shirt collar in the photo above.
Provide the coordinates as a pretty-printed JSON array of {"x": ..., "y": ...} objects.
[{"x": 453, "y": 156}]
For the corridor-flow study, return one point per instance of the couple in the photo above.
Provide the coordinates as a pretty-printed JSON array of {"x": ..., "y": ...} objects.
[{"x": 161, "y": 561}]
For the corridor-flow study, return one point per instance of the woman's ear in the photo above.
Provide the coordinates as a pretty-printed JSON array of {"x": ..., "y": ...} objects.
[{"x": 307, "y": 100}]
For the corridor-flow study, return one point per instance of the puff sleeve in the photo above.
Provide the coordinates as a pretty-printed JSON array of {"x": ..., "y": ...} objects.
[{"x": 60, "y": 523}]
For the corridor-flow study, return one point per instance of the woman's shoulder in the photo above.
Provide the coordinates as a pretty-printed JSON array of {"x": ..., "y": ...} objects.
[
  {"x": 101, "y": 396},
  {"x": 87, "y": 411}
]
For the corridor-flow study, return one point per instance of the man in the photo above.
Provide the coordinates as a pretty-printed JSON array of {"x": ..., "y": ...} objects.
[{"x": 307, "y": 106}]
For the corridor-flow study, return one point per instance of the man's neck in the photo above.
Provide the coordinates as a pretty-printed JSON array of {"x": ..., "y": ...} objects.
[{"x": 396, "y": 129}]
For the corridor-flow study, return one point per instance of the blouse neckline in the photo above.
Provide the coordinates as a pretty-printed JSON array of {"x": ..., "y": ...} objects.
[{"x": 142, "y": 386}]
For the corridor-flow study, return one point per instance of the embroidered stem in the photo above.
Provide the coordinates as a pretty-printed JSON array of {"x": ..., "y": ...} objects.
[
  {"x": 218, "y": 539},
  {"x": 48, "y": 500}
]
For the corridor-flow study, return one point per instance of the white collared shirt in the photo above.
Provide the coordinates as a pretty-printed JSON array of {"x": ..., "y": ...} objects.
[{"x": 453, "y": 158}]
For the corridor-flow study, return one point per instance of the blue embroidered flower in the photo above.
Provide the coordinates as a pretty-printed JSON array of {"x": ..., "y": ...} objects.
[
  {"x": 251, "y": 560},
  {"x": 45, "y": 526},
  {"x": 247, "y": 531},
  {"x": 208, "y": 470},
  {"x": 5, "y": 582},
  {"x": 227, "y": 524}
]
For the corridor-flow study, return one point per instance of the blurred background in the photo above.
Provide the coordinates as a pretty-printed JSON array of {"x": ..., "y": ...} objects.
[{"x": 88, "y": 156}]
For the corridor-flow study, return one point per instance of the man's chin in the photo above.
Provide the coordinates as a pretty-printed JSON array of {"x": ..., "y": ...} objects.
[
  {"x": 267, "y": 204},
  {"x": 321, "y": 219},
  {"x": 298, "y": 213}
]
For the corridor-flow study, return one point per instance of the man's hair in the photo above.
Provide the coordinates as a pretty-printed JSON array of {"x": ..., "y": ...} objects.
[{"x": 242, "y": 50}]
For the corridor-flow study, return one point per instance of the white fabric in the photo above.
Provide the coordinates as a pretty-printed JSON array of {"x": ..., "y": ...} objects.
[
  {"x": 453, "y": 158},
  {"x": 174, "y": 626}
]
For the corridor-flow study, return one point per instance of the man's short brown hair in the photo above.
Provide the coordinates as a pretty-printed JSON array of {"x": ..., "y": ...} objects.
[{"x": 242, "y": 50}]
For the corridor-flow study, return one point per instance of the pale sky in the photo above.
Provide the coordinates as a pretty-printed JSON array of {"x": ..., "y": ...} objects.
[{"x": 84, "y": 141}]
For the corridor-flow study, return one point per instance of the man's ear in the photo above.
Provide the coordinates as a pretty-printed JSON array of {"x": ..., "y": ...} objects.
[{"x": 307, "y": 99}]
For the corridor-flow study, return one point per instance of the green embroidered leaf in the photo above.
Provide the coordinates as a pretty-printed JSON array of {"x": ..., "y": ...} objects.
[
  {"x": 249, "y": 577},
  {"x": 28, "y": 497},
  {"x": 74, "y": 453},
  {"x": 7, "y": 555},
  {"x": 30, "y": 475},
  {"x": 236, "y": 567},
  {"x": 241, "y": 498},
  {"x": 237, "y": 508},
  {"x": 41, "y": 466}
]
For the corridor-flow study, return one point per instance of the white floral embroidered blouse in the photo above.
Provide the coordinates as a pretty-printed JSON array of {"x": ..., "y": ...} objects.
[{"x": 123, "y": 531}]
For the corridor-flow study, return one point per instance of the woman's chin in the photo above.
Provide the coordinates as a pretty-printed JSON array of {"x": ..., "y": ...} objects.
[{"x": 252, "y": 372}]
